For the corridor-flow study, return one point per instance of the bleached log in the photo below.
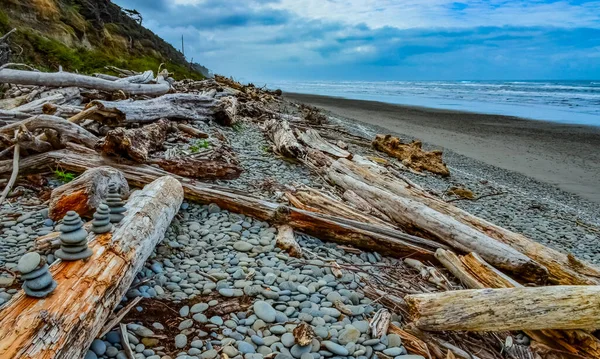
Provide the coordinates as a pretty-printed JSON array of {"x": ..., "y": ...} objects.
[
  {"x": 226, "y": 111},
  {"x": 12, "y": 115},
  {"x": 283, "y": 138},
  {"x": 481, "y": 310},
  {"x": 180, "y": 106},
  {"x": 562, "y": 268},
  {"x": 286, "y": 241},
  {"x": 417, "y": 218},
  {"x": 135, "y": 143},
  {"x": 64, "y": 324},
  {"x": 68, "y": 131},
  {"x": 36, "y": 106},
  {"x": 64, "y": 79},
  {"x": 143, "y": 78},
  {"x": 85, "y": 193},
  {"x": 312, "y": 139}
]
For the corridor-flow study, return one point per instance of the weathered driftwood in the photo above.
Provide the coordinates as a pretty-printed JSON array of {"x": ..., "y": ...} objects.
[
  {"x": 64, "y": 324},
  {"x": 412, "y": 154},
  {"x": 199, "y": 168},
  {"x": 180, "y": 106},
  {"x": 12, "y": 115},
  {"x": 37, "y": 106},
  {"x": 283, "y": 138},
  {"x": 135, "y": 143},
  {"x": 312, "y": 139},
  {"x": 475, "y": 273},
  {"x": 192, "y": 131},
  {"x": 286, "y": 241},
  {"x": 364, "y": 206},
  {"x": 226, "y": 111},
  {"x": 417, "y": 218},
  {"x": 64, "y": 79},
  {"x": 67, "y": 131},
  {"x": 85, "y": 193},
  {"x": 554, "y": 307},
  {"x": 143, "y": 78},
  {"x": 341, "y": 230},
  {"x": 562, "y": 269}
]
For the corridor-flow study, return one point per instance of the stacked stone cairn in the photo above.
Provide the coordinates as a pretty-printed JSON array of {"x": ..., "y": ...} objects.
[
  {"x": 115, "y": 203},
  {"x": 37, "y": 279},
  {"x": 101, "y": 222},
  {"x": 73, "y": 239}
]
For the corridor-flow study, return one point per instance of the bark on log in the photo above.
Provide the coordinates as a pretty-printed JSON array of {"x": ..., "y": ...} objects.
[
  {"x": 341, "y": 230},
  {"x": 190, "y": 107},
  {"x": 199, "y": 168},
  {"x": 312, "y": 139},
  {"x": 562, "y": 269},
  {"x": 412, "y": 154},
  {"x": 68, "y": 131},
  {"x": 85, "y": 193},
  {"x": 192, "y": 131},
  {"x": 64, "y": 79},
  {"x": 286, "y": 241},
  {"x": 64, "y": 324},
  {"x": 283, "y": 138},
  {"x": 417, "y": 218},
  {"x": 135, "y": 144},
  {"x": 481, "y": 310},
  {"x": 226, "y": 111}
]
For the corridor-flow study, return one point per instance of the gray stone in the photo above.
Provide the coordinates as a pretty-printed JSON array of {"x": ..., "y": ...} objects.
[
  {"x": 335, "y": 348},
  {"x": 264, "y": 311},
  {"x": 243, "y": 246},
  {"x": 348, "y": 335},
  {"x": 245, "y": 347},
  {"x": 98, "y": 346},
  {"x": 28, "y": 262},
  {"x": 180, "y": 341}
]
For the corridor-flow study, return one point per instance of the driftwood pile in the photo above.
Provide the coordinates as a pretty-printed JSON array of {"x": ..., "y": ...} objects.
[{"x": 464, "y": 283}]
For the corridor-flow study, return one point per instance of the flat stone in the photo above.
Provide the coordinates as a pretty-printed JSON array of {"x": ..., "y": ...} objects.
[
  {"x": 335, "y": 348},
  {"x": 74, "y": 256},
  {"x": 393, "y": 351},
  {"x": 41, "y": 282},
  {"x": 243, "y": 246},
  {"x": 348, "y": 335},
  {"x": 245, "y": 347},
  {"x": 39, "y": 293},
  {"x": 28, "y": 262},
  {"x": 198, "y": 308},
  {"x": 98, "y": 346},
  {"x": 264, "y": 311},
  {"x": 180, "y": 341}
]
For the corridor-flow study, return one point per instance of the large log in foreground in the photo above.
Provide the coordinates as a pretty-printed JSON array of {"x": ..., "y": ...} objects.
[
  {"x": 64, "y": 324},
  {"x": 66, "y": 79},
  {"x": 482, "y": 310}
]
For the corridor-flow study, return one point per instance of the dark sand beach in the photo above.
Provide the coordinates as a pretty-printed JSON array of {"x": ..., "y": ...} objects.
[{"x": 562, "y": 155}]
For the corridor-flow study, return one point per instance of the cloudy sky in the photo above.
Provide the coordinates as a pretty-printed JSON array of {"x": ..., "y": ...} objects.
[{"x": 269, "y": 40}]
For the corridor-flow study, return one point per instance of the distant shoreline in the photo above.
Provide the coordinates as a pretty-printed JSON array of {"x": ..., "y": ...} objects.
[{"x": 563, "y": 155}]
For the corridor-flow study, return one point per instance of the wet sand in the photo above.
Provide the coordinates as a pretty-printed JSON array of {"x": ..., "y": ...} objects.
[{"x": 563, "y": 155}]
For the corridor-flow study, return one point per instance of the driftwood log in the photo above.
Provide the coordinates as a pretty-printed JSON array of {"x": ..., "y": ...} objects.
[
  {"x": 480, "y": 310},
  {"x": 135, "y": 144},
  {"x": 312, "y": 139},
  {"x": 180, "y": 106},
  {"x": 65, "y": 79},
  {"x": 85, "y": 193},
  {"x": 64, "y": 324},
  {"x": 199, "y": 168},
  {"x": 286, "y": 241},
  {"x": 412, "y": 154},
  {"x": 283, "y": 138}
]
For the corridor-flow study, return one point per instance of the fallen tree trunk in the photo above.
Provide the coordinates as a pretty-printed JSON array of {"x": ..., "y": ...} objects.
[
  {"x": 64, "y": 324},
  {"x": 64, "y": 79},
  {"x": 417, "y": 218},
  {"x": 85, "y": 193},
  {"x": 341, "y": 230},
  {"x": 67, "y": 131},
  {"x": 180, "y": 106},
  {"x": 475, "y": 273},
  {"x": 226, "y": 111},
  {"x": 312, "y": 139},
  {"x": 283, "y": 138},
  {"x": 562, "y": 269},
  {"x": 199, "y": 168},
  {"x": 481, "y": 310}
]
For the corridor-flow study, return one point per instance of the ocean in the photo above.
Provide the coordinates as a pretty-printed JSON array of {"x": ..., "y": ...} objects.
[{"x": 575, "y": 102}]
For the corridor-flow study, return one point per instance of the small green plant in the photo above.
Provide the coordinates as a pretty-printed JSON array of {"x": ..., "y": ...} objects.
[
  {"x": 64, "y": 176},
  {"x": 237, "y": 127},
  {"x": 195, "y": 148}
]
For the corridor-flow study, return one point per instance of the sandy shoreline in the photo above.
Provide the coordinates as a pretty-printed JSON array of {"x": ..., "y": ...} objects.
[{"x": 565, "y": 156}]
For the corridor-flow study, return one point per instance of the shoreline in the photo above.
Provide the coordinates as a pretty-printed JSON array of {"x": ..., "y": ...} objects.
[{"x": 562, "y": 155}]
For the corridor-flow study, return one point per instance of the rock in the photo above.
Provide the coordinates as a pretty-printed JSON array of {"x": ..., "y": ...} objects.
[
  {"x": 348, "y": 335},
  {"x": 98, "y": 346},
  {"x": 335, "y": 348},
  {"x": 394, "y": 341},
  {"x": 393, "y": 351},
  {"x": 288, "y": 340},
  {"x": 101, "y": 222},
  {"x": 209, "y": 354},
  {"x": 198, "y": 308},
  {"x": 73, "y": 239},
  {"x": 180, "y": 341},
  {"x": 115, "y": 203},
  {"x": 85, "y": 193},
  {"x": 28, "y": 262},
  {"x": 245, "y": 347},
  {"x": 243, "y": 246},
  {"x": 264, "y": 311},
  {"x": 90, "y": 355},
  {"x": 298, "y": 350},
  {"x": 38, "y": 283}
]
